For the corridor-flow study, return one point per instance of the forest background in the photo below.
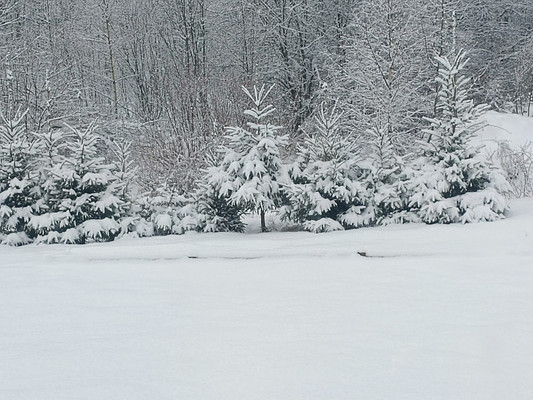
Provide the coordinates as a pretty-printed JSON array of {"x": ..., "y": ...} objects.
[{"x": 167, "y": 74}]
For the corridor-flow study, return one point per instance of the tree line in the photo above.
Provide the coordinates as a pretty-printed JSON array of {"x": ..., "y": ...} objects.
[{"x": 56, "y": 188}]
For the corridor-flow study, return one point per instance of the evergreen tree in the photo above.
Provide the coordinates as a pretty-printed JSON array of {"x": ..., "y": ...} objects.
[
  {"x": 252, "y": 160},
  {"x": 124, "y": 172},
  {"x": 215, "y": 211},
  {"x": 329, "y": 190},
  {"x": 388, "y": 181},
  {"x": 44, "y": 225},
  {"x": 454, "y": 183},
  {"x": 91, "y": 208},
  {"x": 17, "y": 180}
]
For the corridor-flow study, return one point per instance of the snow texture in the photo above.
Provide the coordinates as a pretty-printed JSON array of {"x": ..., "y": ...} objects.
[
  {"x": 422, "y": 312},
  {"x": 514, "y": 129}
]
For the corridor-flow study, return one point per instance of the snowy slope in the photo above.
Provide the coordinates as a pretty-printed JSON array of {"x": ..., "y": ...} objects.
[
  {"x": 435, "y": 312},
  {"x": 515, "y": 129}
]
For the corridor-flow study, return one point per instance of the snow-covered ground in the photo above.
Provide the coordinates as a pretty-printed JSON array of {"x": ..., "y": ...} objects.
[
  {"x": 432, "y": 312},
  {"x": 514, "y": 129}
]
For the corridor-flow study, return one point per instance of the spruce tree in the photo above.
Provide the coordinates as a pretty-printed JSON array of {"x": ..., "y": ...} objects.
[
  {"x": 17, "y": 180},
  {"x": 214, "y": 210},
  {"x": 454, "y": 183},
  {"x": 329, "y": 188},
  {"x": 45, "y": 223},
  {"x": 252, "y": 159},
  {"x": 124, "y": 172},
  {"x": 388, "y": 181},
  {"x": 90, "y": 205}
]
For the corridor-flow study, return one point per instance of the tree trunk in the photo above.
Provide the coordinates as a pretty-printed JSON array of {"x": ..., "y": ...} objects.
[
  {"x": 263, "y": 223},
  {"x": 112, "y": 65}
]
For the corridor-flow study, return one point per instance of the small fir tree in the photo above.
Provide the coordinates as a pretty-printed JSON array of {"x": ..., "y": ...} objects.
[
  {"x": 215, "y": 211},
  {"x": 44, "y": 225},
  {"x": 124, "y": 171},
  {"x": 329, "y": 189},
  {"x": 454, "y": 183},
  {"x": 387, "y": 180},
  {"x": 90, "y": 205},
  {"x": 252, "y": 162},
  {"x": 17, "y": 180}
]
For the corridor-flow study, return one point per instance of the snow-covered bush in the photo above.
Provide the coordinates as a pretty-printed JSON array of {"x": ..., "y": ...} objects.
[
  {"x": 453, "y": 168},
  {"x": 329, "y": 189},
  {"x": 517, "y": 164},
  {"x": 79, "y": 197},
  {"x": 167, "y": 212}
]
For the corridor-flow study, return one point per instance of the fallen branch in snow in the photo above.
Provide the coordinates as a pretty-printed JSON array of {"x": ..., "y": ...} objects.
[{"x": 365, "y": 254}]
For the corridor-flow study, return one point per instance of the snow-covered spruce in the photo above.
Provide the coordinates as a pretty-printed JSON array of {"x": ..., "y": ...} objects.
[
  {"x": 453, "y": 183},
  {"x": 44, "y": 226},
  {"x": 17, "y": 181},
  {"x": 250, "y": 174},
  {"x": 329, "y": 190},
  {"x": 215, "y": 211},
  {"x": 388, "y": 180},
  {"x": 83, "y": 205},
  {"x": 124, "y": 171}
]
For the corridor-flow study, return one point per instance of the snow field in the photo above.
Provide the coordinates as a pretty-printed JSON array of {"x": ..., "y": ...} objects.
[{"x": 434, "y": 312}]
